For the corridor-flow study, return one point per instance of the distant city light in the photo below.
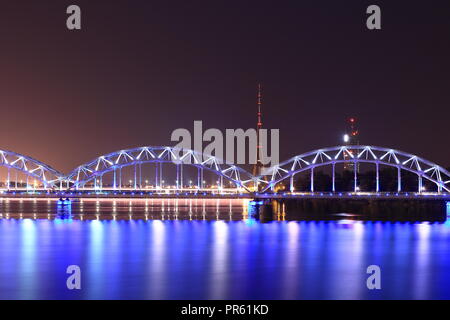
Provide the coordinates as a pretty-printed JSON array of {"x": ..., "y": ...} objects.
[{"x": 346, "y": 138}]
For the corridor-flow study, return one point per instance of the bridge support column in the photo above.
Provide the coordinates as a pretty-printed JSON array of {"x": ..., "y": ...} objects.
[
  {"x": 378, "y": 177},
  {"x": 399, "y": 180},
  {"x": 9, "y": 178},
  {"x": 198, "y": 178},
  {"x": 161, "y": 179},
  {"x": 177, "y": 182},
  {"x": 120, "y": 178},
  {"x": 156, "y": 175},
  {"x": 114, "y": 180},
  {"x": 201, "y": 177},
  {"x": 140, "y": 176},
  {"x": 312, "y": 179},
  {"x": 355, "y": 170},
  {"x": 181, "y": 176},
  {"x": 333, "y": 178},
  {"x": 135, "y": 177},
  {"x": 292, "y": 183},
  {"x": 420, "y": 184}
]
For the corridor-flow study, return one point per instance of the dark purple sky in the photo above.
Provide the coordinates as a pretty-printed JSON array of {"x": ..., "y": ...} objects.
[{"x": 140, "y": 69}]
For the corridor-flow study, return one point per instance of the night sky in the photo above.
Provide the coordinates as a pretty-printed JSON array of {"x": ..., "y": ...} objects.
[{"x": 140, "y": 69}]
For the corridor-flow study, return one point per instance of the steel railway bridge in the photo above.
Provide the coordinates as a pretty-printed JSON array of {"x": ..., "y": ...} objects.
[{"x": 128, "y": 171}]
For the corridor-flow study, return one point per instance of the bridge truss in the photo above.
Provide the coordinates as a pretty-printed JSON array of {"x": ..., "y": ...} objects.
[
  {"x": 37, "y": 173},
  {"x": 94, "y": 170},
  {"x": 89, "y": 176},
  {"x": 355, "y": 155}
]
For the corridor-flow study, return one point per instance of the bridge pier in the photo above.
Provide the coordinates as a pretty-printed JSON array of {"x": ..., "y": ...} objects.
[{"x": 371, "y": 209}]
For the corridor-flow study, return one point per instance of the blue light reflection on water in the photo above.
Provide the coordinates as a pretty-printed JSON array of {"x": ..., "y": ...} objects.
[
  {"x": 221, "y": 259},
  {"x": 197, "y": 259}
]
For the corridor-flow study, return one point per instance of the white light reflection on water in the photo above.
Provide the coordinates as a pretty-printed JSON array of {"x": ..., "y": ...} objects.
[
  {"x": 421, "y": 278},
  {"x": 218, "y": 280},
  {"x": 28, "y": 251},
  {"x": 292, "y": 256},
  {"x": 348, "y": 261},
  {"x": 158, "y": 246},
  {"x": 95, "y": 266}
]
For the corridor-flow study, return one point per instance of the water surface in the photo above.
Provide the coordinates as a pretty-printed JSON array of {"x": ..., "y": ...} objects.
[{"x": 211, "y": 250}]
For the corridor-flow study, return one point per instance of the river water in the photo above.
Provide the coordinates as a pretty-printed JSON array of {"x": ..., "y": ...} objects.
[{"x": 211, "y": 249}]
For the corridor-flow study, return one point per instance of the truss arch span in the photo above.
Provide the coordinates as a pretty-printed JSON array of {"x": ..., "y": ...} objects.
[
  {"x": 49, "y": 177},
  {"x": 157, "y": 154},
  {"x": 423, "y": 168}
]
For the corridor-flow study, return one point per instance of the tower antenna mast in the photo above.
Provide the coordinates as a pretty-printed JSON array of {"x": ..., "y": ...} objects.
[{"x": 258, "y": 165}]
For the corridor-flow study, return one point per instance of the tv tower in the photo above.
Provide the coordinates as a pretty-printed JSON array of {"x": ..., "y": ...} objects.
[{"x": 258, "y": 165}]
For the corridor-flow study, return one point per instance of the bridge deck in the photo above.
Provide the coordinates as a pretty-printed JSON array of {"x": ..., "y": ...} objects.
[
  {"x": 268, "y": 196},
  {"x": 359, "y": 195}
]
